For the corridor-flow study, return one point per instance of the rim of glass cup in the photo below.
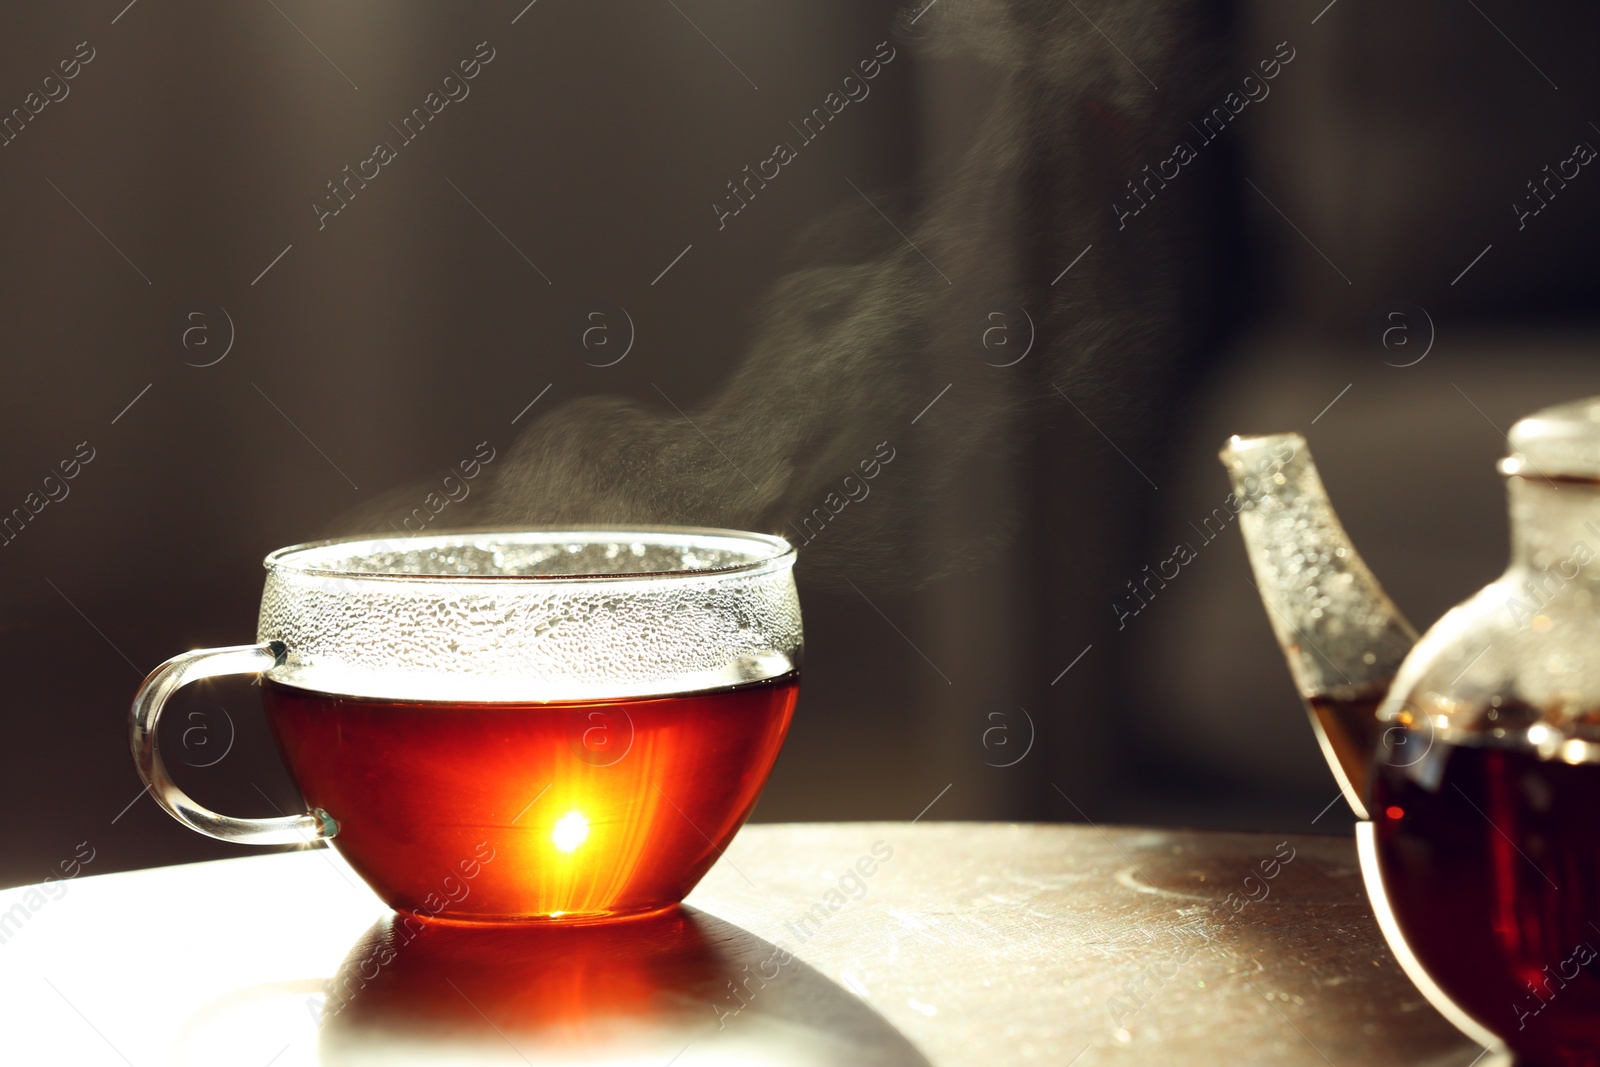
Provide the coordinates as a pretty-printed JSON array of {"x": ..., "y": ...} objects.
[{"x": 783, "y": 553}]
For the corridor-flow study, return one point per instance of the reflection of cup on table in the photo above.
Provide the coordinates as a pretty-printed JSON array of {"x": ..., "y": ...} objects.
[
  {"x": 495, "y": 726},
  {"x": 685, "y": 987}
]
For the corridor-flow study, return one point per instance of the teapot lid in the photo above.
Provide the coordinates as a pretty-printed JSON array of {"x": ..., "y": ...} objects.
[{"x": 1559, "y": 442}]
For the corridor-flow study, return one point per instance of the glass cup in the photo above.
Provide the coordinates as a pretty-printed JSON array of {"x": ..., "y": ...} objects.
[{"x": 498, "y": 726}]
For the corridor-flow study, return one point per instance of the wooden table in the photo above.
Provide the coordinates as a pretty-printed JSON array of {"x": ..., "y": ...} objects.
[{"x": 965, "y": 944}]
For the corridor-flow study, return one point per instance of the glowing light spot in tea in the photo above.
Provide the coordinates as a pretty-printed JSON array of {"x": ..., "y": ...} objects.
[
  {"x": 572, "y": 830},
  {"x": 1394, "y": 812}
]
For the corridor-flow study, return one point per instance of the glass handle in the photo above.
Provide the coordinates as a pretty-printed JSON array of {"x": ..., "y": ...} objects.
[{"x": 167, "y": 679}]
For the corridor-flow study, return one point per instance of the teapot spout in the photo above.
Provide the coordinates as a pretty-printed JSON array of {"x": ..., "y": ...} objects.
[{"x": 1340, "y": 633}]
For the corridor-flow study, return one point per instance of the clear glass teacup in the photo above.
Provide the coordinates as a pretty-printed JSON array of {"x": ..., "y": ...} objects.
[{"x": 497, "y": 726}]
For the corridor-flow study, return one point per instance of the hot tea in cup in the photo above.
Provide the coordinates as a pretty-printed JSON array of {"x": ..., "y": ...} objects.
[{"x": 501, "y": 726}]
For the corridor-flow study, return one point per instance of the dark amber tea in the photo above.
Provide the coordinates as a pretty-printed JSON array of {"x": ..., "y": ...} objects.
[
  {"x": 1350, "y": 732},
  {"x": 1490, "y": 860},
  {"x": 506, "y": 810}
]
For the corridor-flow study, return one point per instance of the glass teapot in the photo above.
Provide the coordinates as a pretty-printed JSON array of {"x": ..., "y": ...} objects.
[{"x": 1472, "y": 756}]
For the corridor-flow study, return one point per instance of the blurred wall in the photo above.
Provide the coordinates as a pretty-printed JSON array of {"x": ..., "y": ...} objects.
[
  {"x": 247, "y": 364},
  {"x": 1411, "y": 298},
  {"x": 249, "y": 369}
]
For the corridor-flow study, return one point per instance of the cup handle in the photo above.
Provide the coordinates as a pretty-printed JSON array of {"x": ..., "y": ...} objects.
[{"x": 167, "y": 679}]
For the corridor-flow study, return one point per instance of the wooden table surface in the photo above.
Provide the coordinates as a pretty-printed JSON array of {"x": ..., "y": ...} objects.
[{"x": 966, "y": 944}]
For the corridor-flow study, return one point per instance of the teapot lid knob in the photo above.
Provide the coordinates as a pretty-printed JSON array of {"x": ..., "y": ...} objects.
[{"x": 1560, "y": 442}]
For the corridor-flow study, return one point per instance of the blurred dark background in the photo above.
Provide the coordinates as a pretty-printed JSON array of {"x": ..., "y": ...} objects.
[{"x": 245, "y": 378}]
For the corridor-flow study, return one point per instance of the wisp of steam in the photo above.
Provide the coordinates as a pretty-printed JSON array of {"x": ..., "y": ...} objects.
[{"x": 860, "y": 335}]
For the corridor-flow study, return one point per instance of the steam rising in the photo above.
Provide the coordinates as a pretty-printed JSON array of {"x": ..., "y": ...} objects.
[{"x": 858, "y": 338}]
